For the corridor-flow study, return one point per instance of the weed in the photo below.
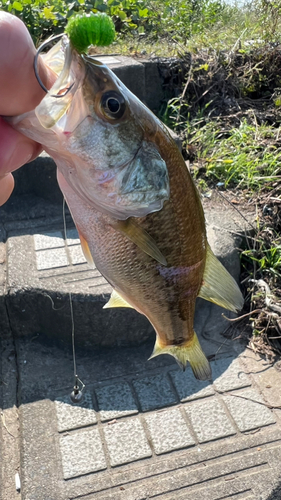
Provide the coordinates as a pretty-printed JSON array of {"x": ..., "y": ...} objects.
[{"x": 245, "y": 156}]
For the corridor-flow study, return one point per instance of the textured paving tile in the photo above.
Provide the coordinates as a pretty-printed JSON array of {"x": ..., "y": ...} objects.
[
  {"x": 168, "y": 431},
  {"x": 81, "y": 453},
  {"x": 76, "y": 255},
  {"x": 154, "y": 392},
  {"x": 53, "y": 239},
  {"x": 188, "y": 387},
  {"x": 115, "y": 401},
  {"x": 49, "y": 259},
  {"x": 209, "y": 420},
  {"x": 71, "y": 416},
  {"x": 229, "y": 375},
  {"x": 248, "y": 414},
  {"x": 126, "y": 442}
]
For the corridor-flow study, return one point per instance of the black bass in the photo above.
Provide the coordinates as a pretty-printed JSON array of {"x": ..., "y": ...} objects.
[{"x": 133, "y": 201}]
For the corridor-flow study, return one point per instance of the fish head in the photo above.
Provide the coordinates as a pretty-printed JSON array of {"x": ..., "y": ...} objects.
[{"x": 106, "y": 148}]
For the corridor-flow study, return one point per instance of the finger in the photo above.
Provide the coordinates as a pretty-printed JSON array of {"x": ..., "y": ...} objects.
[
  {"x": 6, "y": 188},
  {"x": 15, "y": 149},
  {"x": 20, "y": 90}
]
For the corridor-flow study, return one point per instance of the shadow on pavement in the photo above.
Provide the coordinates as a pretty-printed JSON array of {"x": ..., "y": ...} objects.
[
  {"x": 275, "y": 494},
  {"x": 45, "y": 371}
]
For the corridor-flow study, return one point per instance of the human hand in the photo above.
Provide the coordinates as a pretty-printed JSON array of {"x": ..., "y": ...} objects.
[{"x": 19, "y": 93}]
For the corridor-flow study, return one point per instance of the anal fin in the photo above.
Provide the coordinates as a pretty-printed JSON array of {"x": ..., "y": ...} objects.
[
  {"x": 218, "y": 285},
  {"x": 116, "y": 301}
]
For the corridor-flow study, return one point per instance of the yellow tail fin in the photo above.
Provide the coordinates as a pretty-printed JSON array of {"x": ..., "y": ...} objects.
[{"x": 191, "y": 352}]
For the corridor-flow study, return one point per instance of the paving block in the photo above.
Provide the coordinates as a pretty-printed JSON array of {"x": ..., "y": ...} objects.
[
  {"x": 76, "y": 255},
  {"x": 209, "y": 420},
  {"x": 248, "y": 410},
  {"x": 41, "y": 460},
  {"x": 52, "y": 251},
  {"x": 168, "y": 431},
  {"x": 72, "y": 416},
  {"x": 72, "y": 237},
  {"x": 228, "y": 374},
  {"x": 38, "y": 178},
  {"x": 126, "y": 442},
  {"x": 188, "y": 387},
  {"x": 51, "y": 259},
  {"x": 268, "y": 379},
  {"x": 154, "y": 392},
  {"x": 115, "y": 400},
  {"x": 49, "y": 239},
  {"x": 81, "y": 453}
]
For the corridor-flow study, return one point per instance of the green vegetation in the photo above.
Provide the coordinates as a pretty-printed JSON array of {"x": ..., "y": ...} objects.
[
  {"x": 192, "y": 23},
  {"x": 154, "y": 18},
  {"x": 228, "y": 115},
  {"x": 245, "y": 156}
]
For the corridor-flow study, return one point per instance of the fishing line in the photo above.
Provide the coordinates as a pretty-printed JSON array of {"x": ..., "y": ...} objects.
[{"x": 76, "y": 395}]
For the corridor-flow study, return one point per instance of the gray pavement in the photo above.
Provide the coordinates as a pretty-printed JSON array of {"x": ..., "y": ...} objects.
[{"x": 143, "y": 429}]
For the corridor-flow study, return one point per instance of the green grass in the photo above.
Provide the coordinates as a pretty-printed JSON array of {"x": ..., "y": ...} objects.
[
  {"x": 267, "y": 259},
  {"x": 245, "y": 156}
]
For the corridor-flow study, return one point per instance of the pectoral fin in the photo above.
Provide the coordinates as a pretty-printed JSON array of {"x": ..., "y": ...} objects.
[
  {"x": 218, "y": 285},
  {"x": 141, "y": 238},
  {"x": 116, "y": 301}
]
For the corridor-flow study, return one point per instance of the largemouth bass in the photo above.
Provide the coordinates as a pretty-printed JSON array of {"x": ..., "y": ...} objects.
[{"x": 133, "y": 201}]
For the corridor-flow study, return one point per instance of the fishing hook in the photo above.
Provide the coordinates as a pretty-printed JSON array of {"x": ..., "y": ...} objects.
[{"x": 35, "y": 64}]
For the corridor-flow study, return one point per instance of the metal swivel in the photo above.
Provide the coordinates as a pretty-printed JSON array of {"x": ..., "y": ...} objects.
[{"x": 77, "y": 395}]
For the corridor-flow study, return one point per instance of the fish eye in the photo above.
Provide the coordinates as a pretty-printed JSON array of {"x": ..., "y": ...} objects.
[{"x": 113, "y": 104}]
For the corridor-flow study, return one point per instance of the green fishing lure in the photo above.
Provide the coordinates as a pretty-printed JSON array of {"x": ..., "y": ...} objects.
[{"x": 84, "y": 30}]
